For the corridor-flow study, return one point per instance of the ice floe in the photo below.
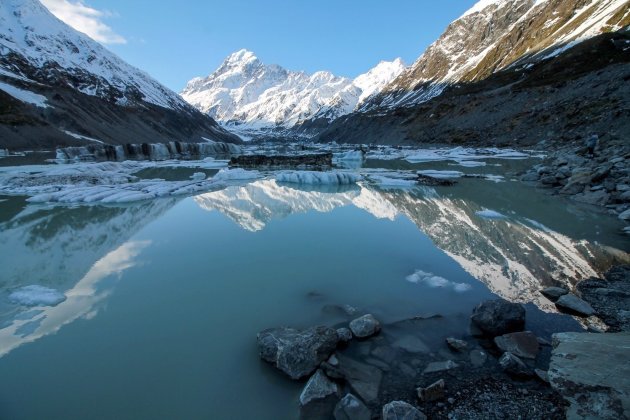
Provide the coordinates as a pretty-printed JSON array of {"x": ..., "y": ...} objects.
[
  {"x": 236, "y": 174},
  {"x": 431, "y": 280},
  {"x": 35, "y": 295},
  {"x": 318, "y": 178},
  {"x": 462, "y": 155}
]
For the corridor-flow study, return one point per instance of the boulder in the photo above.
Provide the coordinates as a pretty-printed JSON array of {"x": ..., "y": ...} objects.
[
  {"x": 365, "y": 326},
  {"x": 522, "y": 344},
  {"x": 554, "y": 293},
  {"x": 591, "y": 372},
  {"x": 351, "y": 408},
  {"x": 400, "y": 410},
  {"x": 344, "y": 334},
  {"x": 318, "y": 398},
  {"x": 573, "y": 304},
  {"x": 514, "y": 366},
  {"x": 498, "y": 317},
  {"x": 440, "y": 366},
  {"x": 297, "y": 353},
  {"x": 433, "y": 392},
  {"x": 457, "y": 345}
]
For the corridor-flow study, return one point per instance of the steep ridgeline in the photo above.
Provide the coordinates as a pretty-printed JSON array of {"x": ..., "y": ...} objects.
[
  {"x": 497, "y": 43},
  {"x": 266, "y": 100},
  {"x": 60, "y": 87}
]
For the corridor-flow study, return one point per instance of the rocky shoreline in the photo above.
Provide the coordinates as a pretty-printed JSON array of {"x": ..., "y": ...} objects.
[
  {"x": 428, "y": 367},
  {"x": 602, "y": 179}
]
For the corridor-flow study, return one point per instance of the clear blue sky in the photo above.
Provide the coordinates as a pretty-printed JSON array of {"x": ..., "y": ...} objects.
[{"x": 175, "y": 41}]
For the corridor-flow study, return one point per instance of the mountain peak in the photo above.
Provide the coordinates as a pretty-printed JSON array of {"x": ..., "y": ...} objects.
[{"x": 241, "y": 56}]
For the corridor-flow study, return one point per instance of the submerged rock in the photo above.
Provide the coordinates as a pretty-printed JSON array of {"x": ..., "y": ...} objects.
[
  {"x": 297, "y": 353},
  {"x": 591, "y": 371},
  {"x": 574, "y": 304},
  {"x": 455, "y": 344},
  {"x": 433, "y": 392},
  {"x": 497, "y": 317},
  {"x": 411, "y": 344},
  {"x": 521, "y": 344},
  {"x": 363, "y": 379},
  {"x": 440, "y": 366},
  {"x": 351, "y": 408},
  {"x": 400, "y": 410},
  {"x": 514, "y": 366},
  {"x": 554, "y": 293},
  {"x": 478, "y": 357},
  {"x": 365, "y": 326}
]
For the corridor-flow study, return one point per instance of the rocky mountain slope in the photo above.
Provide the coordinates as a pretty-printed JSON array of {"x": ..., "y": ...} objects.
[
  {"x": 258, "y": 99},
  {"x": 60, "y": 87},
  {"x": 507, "y": 72}
]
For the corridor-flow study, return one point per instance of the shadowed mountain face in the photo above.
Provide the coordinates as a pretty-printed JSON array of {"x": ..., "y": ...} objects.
[
  {"x": 59, "y": 87},
  {"x": 506, "y": 72}
]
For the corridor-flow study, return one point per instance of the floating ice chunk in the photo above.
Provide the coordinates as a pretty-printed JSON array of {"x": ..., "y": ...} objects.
[
  {"x": 198, "y": 176},
  {"x": 494, "y": 178},
  {"x": 35, "y": 295},
  {"x": 318, "y": 178},
  {"x": 441, "y": 174},
  {"x": 470, "y": 163},
  {"x": 351, "y": 155},
  {"x": 431, "y": 280},
  {"x": 490, "y": 214},
  {"x": 236, "y": 174}
]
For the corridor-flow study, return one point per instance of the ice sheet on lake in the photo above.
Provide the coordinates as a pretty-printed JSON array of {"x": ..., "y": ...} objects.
[
  {"x": 35, "y": 295},
  {"x": 318, "y": 178},
  {"x": 461, "y": 154},
  {"x": 431, "y": 280}
]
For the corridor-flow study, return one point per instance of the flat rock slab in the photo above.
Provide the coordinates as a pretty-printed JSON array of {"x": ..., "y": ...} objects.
[
  {"x": 522, "y": 344},
  {"x": 364, "y": 380},
  {"x": 573, "y": 304},
  {"x": 440, "y": 366},
  {"x": 318, "y": 387},
  {"x": 592, "y": 372}
]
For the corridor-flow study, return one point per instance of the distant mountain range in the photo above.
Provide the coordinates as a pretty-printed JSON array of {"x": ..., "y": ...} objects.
[
  {"x": 257, "y": 99},
  {"x": 60, "y": 87}
]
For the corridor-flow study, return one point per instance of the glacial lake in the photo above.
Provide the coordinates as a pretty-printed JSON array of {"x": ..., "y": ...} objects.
[{"x": 164, "y": 298}]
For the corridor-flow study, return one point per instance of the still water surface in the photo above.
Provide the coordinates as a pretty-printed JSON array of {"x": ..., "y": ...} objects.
[{"x": 164, "y": 298}]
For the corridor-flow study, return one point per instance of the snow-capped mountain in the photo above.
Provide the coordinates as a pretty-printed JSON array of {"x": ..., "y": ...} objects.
[
  {"x": 496, "y": 34},
  {"x": 247, "y": 94},
  {"x": 42, "y": 59}
]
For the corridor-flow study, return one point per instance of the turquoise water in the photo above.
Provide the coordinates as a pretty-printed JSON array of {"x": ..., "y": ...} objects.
[{"x": 164, "y": 298}]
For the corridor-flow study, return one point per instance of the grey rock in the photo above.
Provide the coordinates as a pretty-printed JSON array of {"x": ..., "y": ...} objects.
[
  {"x": 514, "y": 366},
  {"x": 478, "y": 357},
  {"x": 599, "y": 198},
  {"x": 457, "y": 345},
  {"x": 363, "y": 379},
  {"x": 411, "y": 344},
  {"x": 574, "y": 304},
  {"x": 522, "y": 344},
  {"x": 365, "y": 326},
  {"x": 440, "y": 366},
  {"x": 433, "y": 392},
  {"x": 318, "y": 387},
  {"x": 542, "y": 375},
  {"x": 609, "y": 297},
  {"x": 344, "y": 334},
  {"x": 400, "y": 410},
  {"x": 351, "y": 408},
  {"x": 497, "y": 317},
  {"x": 625, "y": 215},
  {"x": 554, "y": 293},
  {"x": 297, "y": 353},
  {"x": 530, "y": 177},
  {"x": 549, "y": 180},
  {"x": 591, "y": 372}
]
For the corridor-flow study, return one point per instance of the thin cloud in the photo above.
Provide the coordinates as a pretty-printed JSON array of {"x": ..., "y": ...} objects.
[{"x": 85, "y": 19}]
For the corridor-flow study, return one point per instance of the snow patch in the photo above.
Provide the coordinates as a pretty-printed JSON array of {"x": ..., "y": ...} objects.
[
  {"x": 24, "y": 95},
  {"x": 490, "y": 214}
]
